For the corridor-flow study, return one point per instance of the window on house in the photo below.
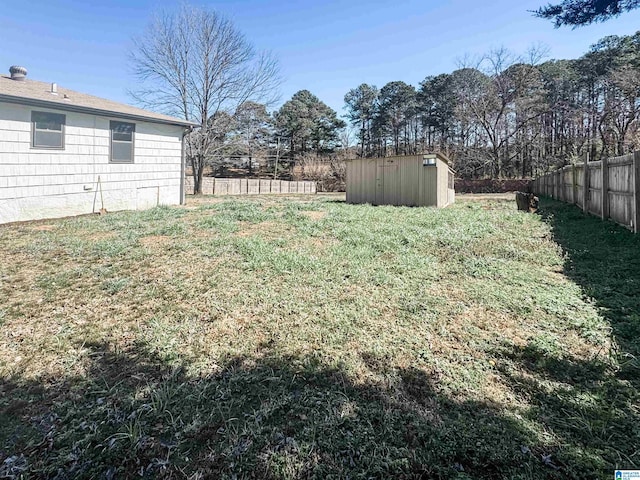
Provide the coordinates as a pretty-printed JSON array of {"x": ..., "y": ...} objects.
[
  {"x": 47, "y": 130},
  {"x": 122, "y": 142}
]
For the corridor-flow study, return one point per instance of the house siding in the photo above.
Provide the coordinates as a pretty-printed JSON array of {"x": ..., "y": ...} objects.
[{"x": 38, "y": 183}]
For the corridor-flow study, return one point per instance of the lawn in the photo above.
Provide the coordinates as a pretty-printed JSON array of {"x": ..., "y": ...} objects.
[{"x": 276, "y": 337}]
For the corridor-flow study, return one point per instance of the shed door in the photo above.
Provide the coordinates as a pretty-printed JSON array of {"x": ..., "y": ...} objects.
[
  {"x": 391, "y": 181},
  {"x": 387, "y": 179},
  {"x": 380, "y": 163}
]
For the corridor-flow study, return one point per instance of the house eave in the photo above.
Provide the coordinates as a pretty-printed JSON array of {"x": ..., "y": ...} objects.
[{"x": 34, "y": 102}]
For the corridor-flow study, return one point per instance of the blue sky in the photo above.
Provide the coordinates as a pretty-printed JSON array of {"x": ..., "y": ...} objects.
[{"x": 326, "y": 47}]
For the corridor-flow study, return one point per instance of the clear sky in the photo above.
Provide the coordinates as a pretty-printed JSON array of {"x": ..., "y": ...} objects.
[{"x": 327, "y": 47}]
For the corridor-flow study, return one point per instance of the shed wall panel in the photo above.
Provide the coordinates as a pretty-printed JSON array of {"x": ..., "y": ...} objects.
[
  {"x": 399, "y": 180},
  {"x": 368, "y": 179},
  {"x": 442, "y": 168}
]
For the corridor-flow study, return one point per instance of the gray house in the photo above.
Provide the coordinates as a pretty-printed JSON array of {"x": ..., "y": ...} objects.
[{"x": 67, "y": 153}]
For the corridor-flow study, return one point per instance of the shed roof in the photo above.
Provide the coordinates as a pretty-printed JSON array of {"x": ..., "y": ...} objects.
[
  {"x": 426, "y": 154},
  {"x": 33, "y": 92}
]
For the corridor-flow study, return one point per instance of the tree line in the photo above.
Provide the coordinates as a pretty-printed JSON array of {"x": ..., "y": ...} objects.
[
  {"x": 509, "y": 116},
  {"x": 499, "y": 116},
  {"x": 302, "y": 125}
]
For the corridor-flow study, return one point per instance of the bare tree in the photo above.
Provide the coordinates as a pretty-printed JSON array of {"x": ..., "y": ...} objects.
[
  {"x": 347, "y": 138},
  {"x": 253, "y": 129},
  {"x": 503, "y": 94},
  {"x": 195, "y": 64}
]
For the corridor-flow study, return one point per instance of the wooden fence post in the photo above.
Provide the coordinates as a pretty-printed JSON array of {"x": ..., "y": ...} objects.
[
  {"x": 585, "y": 184},
  {"x": 636, "y": 191},
  {"x": 560, "y": 189},
  {"x": 604, "y": 206},
  {"x": 574, "y": 185},
  {"x": 559, "y": 184}
]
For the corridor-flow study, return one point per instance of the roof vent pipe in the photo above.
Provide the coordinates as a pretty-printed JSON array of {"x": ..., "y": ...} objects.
[{"x": 17, "y": 72}]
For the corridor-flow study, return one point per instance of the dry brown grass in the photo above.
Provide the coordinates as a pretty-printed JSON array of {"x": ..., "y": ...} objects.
[{"x": 314, "y": 215}]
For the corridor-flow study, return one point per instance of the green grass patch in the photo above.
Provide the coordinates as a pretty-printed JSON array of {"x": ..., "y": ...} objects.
[{"x": 284, "y": 337}]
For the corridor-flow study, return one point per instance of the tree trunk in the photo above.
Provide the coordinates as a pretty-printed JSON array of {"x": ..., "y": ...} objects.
[{"x": 197, "y": 167}]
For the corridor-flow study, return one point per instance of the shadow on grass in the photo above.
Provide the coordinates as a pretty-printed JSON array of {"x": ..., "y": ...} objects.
[
  {"x": 604, "y": 259},
  {"x": 592, "y": 405},
  {"x": 132, "y": 415},
  {"x": 585, "y": 409}
]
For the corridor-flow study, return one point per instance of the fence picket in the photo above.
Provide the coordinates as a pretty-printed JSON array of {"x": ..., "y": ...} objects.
[
  {"x": 618, "y": 185},
  {"x": 238, "y": 186},
  {"x": 604, "y": 204},
  {"x": 636, "y": 192}
]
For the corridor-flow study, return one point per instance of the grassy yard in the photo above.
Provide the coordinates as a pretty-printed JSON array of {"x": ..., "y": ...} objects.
[{"x": 307, "y": 338}]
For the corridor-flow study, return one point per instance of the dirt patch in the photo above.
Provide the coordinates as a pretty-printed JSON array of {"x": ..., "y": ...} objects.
[
  {"x": 314, "y": 215},
  {"x": 263, "y": 229},
  {"x": 44, "y": 228},
  {"x": 322, "y": 242},
  {"x": 154, "y": 241},
  {"x": 98, "y": 236},
  {"x": 194, "y": 202}
]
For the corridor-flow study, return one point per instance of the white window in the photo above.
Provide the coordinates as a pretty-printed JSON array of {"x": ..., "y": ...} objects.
[
  {"x": 47, "y": 130},
  {"x": 122, "y": 142}
]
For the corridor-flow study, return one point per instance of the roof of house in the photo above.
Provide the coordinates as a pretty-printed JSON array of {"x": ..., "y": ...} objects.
[{"x": 32, "y": 92}]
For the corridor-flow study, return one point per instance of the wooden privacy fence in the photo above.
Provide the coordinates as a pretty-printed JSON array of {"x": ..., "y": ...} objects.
[
  {"x": 249, "y": 186},
  {"x": 609, "y": 188}
]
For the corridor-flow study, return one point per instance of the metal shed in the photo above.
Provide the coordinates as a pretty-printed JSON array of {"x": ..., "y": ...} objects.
[{"x": 411, "y": 180}]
